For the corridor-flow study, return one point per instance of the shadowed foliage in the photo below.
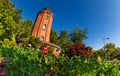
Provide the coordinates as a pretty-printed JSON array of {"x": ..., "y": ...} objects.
[{"x": 79, "y": 50}]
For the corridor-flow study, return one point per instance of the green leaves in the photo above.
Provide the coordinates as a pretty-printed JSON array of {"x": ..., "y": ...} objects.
[
  {"x": 11, "y": 24},
  {"x": 66, "y": 39},
  {"x": 107, "y": 68},
  {"x": 78, "y": 35},
  {"x": 53, "y": 36},
  {"x": 110, "y": 52},
  {"x": 25, "y": 61},
  {"x": 22, "y": 61},
  {"x": 7, "y": 20}
]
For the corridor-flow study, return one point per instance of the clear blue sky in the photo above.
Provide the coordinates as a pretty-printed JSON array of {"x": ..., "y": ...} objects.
[{"x": 101, "y": 17}]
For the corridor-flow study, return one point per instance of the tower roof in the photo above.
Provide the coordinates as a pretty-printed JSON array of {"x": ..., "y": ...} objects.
[{"x": 47, "y": 9}]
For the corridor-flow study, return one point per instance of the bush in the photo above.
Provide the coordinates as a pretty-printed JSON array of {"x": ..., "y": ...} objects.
[
  {"x": 79, "y": 50},
  {"x": 25, "y": 62},
  {"x": 28, "y": 62},
  {"x": 35, "y": 42},
  {"x": 8, "y": 43}
]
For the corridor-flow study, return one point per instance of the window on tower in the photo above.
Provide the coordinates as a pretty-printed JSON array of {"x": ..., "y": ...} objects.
[
  {"x": 41, "y": 38},
  {"x": 44, "y": 26},
  {"x": 47, "y": 17}
]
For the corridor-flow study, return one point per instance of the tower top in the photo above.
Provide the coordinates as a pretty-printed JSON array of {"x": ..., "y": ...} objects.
[{"x": 47, "y": 10}]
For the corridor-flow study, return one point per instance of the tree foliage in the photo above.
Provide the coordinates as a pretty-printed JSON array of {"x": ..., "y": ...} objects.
[
  {"x": 24, "y": 29},
  {"x": 11, "y": 24},
  {"x": 53, "y": 36},
  {"x": 63, "y": 39},
  {"x": 79, "y": 50},
  {"x": 63, "y": 34},
  {"x": 109, "y": 51},
  {"x": 9, "y": 18},
  {"x": 26, "y": 62},
  {"x": 78, "y": 35},
  {"x": 34, "y": 42}
]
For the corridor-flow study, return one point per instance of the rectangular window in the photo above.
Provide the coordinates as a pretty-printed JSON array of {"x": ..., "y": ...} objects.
[
  {"x": 44, "y": 26},
  {"x": 47, "y": 17}
]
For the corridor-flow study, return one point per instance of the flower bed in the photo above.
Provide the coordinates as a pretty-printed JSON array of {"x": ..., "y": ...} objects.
[{"x": 28, "y": 62}]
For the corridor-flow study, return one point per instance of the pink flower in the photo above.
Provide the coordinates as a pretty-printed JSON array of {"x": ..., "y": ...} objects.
[
  {"x": 29, "y": 45},
  {"x": 45, "y": 51}
]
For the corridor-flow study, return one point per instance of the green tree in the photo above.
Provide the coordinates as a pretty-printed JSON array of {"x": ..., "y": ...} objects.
[
  {"x": 61, "y": 40},
  {"x": 99, "y": 53},
  {"x": 24, "y": 29},
  {"x": 63, "y": 35},
  {"x": 109, "y": 46},
  {"x": 109, "y": 52},
  {"x": 78, "y": 35},
  {"x": 53, "y": 36},
  {"x": 64, "y": 41},
  {"x": 9, "y": 19}
]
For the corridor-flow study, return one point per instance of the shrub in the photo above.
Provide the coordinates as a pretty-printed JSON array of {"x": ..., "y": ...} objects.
[
  {"x": 28, "y": 62},
  {"x": 79, "y": 50},
  {"x": 25, "y": 61},
  {"x": 35, "y": 42},
  {"x": 8, "y": 43}
]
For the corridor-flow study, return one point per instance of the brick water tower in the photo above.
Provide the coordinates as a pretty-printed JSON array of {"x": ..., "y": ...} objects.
[{"x": 42, "y": 25}]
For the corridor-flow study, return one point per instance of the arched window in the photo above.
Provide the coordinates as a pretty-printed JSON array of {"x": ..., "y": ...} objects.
[
  {"x": 44, "y": 26},
  {"x": 47, "y": 17},
  {"x": 41, "y": 38}
]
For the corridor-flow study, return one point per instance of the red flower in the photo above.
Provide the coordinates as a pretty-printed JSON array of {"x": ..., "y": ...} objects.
[{"x": 45, "y": 51}]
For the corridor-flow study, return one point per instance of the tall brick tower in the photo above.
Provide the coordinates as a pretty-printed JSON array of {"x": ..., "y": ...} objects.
[{"x": 42, "y": 25}]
